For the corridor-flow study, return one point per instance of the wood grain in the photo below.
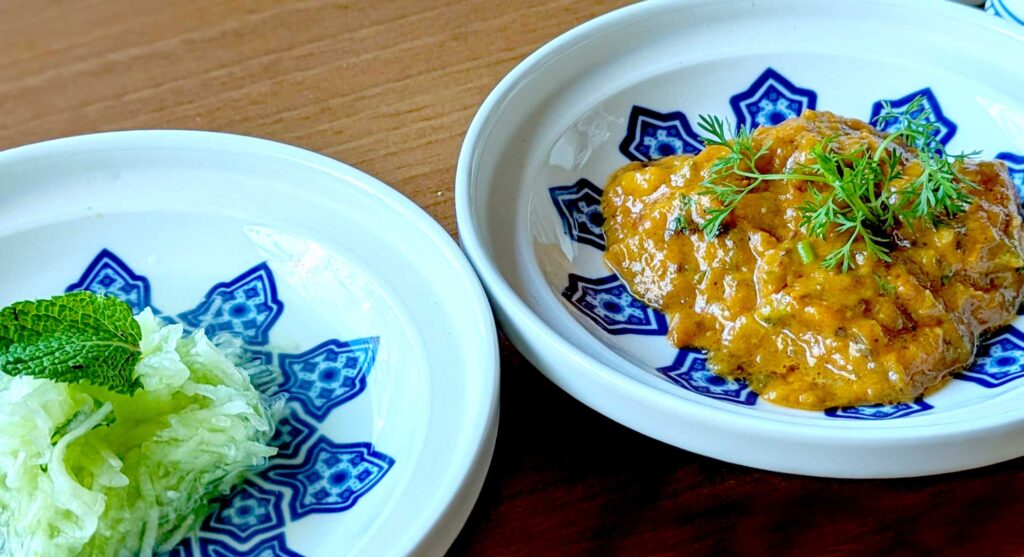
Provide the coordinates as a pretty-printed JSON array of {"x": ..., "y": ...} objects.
[
  {"x": 390, "y": 87},
  {"x": 568, "y": 481}
]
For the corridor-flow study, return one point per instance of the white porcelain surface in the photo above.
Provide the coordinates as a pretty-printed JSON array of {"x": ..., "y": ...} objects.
[
  {"x": 352, "y": 259},
  {"x": 569, "y": 113}
]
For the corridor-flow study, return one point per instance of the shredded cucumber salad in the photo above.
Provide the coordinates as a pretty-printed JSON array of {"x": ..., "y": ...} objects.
[{"x": 89, "y": 472}]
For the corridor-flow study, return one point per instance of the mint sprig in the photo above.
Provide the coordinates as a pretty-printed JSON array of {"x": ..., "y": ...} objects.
[{"x": 79, "y": 337}]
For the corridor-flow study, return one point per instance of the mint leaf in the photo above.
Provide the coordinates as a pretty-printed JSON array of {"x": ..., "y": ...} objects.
[{"x": 78, "y": 337}]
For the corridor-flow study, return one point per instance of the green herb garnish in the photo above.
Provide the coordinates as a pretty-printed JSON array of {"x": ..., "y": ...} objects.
[
  {"x": 78, "y": 337},
  {"x": 940, "y": 191},
  {"x": 852, "y": 193},
  {"x": 733, "y": 175},
  {"x": 852, "y": 205},
  {"x": 679, "y": 223},
  {"x": 806, "y": 251},
  {"x": 884, "y": 286}
]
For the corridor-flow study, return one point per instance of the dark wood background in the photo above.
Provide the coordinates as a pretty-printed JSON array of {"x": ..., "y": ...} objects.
[{"x": 390, "y": 87}]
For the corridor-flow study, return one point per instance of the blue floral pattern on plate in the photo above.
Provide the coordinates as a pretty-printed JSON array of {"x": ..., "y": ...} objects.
[
  {"x": 690, "y": 371},
  {"x": 998, "y": 8},
  {"x": 769, "y": 100},
  {"x": 273, "y": 546},
  {"x": 246, "y": 306},
  {"x": 332, "y": 477},
  {"x": 607, "y": 302},
  {"x": 262, "y": 372},
  {"x": 184, "y": 549},
  {"x": 311, "y": 473},
  {"x": 880, "y": 411},
  {"x": 251, "y": 511},
  {"x": 947, "y": 128},
  {"x": 652, "y": 135},
  {"x": 1015, "y": 164},
  {"x": 1000, "y": 360},
  {"x": 579, "y": 207},
  {"x": 108, "y": 275},
  {"x": 327, "y": 375},
  {"x": 292, "y": 436}
]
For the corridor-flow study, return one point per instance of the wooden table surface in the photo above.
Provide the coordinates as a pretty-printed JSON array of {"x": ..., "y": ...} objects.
[{"x": 390, "y": 87}]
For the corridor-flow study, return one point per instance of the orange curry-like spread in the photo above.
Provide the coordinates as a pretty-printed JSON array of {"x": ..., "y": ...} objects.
[{"x": 800, "y": 334}]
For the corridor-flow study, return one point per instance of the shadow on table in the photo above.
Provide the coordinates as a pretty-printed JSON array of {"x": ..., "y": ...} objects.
[{"x": 565, "y": 480}]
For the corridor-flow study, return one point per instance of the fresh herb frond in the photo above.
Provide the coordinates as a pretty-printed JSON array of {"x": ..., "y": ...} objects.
[
  {"x": 679, "y": 223},
  {"x": 78, "y": 337},
  {"x": 715, "y": 130},
  {"x": 817, "y": 216},
  {"x": 731, "y": 176},
  {"x": 940, "y": 191},
  {"x": 712, "y": 226},
  {"x": 884, "y": 286},
  {"x": 860, "y": 194}
]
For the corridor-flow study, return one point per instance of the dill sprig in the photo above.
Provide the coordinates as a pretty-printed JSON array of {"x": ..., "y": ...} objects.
[
  {"x": 850, "y": 203},
  {"x": 679, "y": 222},
  {"x": 852, "y": 193},
  {"x": 738, "y": 165},
  {"x": 940, "y": 191}
]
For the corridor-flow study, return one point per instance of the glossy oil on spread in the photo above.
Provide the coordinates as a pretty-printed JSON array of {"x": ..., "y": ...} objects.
[{"x": 800, "y": 334}]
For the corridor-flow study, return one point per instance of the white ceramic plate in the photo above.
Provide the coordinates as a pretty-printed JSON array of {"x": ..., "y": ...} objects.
[
  {"x": 381, "y": 331},
  {"x": 629, "y": 86}
]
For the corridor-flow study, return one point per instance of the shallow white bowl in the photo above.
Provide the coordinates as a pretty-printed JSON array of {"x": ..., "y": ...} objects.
[
  {"x": 628, "y": 86},
  {"x": 382, "y": 334}
]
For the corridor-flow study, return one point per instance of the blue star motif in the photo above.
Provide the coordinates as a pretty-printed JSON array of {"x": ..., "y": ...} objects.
[
  {"x": 183, "y": 549},
  {"x": 108, "y": 274},
  {"x": 229, "y": 307},
  {"x": 327, "y": 375},
  {"x": 689, "y": 370},
  {"x": 292, "y": 436},
  {"x": 880, "y": 411},
  {"x": 251, "y": 510},
  {"x": 1000, "y": 360},
  {"x": 579, "y": 207},
  {"x": 769, "y": 100},
  {"x": 318, "y": 486},
  {"x": 273, "y": 546},
  {"x": 1015, "y": 164},
  {"x": 315, "y": 474},
  {"x": 652, "y": 135},
  {"x": 607, "y": 302},
  {"x": 947, "y": 128},
  {"x": 263, "y": 374}
]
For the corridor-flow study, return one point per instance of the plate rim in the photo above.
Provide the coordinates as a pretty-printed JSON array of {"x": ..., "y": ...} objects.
[{"x": 441, "y": 523}]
